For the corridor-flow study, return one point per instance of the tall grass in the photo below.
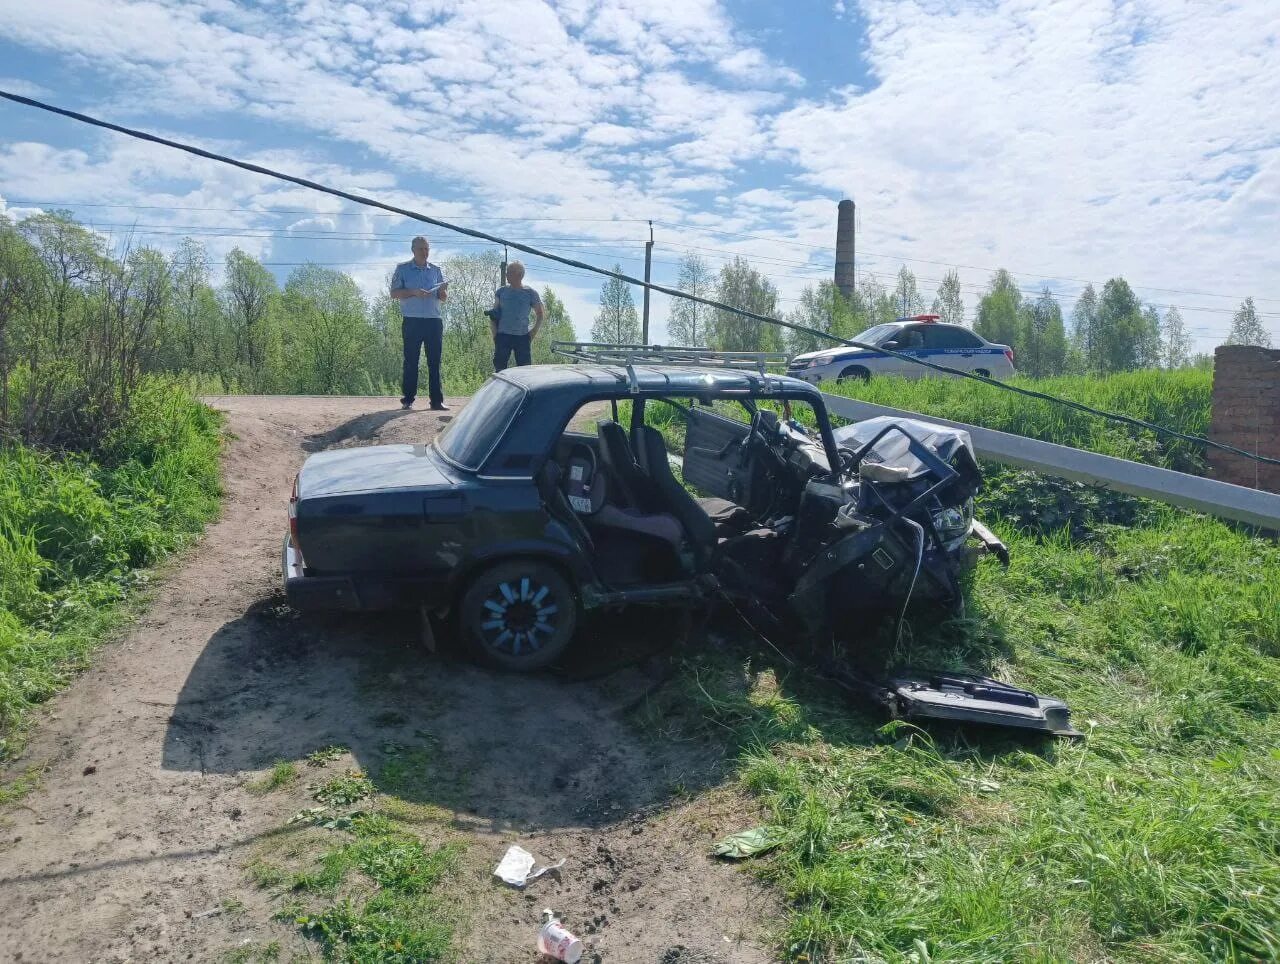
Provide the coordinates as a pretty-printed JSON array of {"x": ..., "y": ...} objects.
[
  {"x": 1179, "y": 400},
  {"x": 78, "y": 533},
  {"x": 1153, "y": 839}
]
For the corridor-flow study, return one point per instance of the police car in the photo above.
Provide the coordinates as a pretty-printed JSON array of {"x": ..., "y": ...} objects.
[{"x": 919, "y": 336}]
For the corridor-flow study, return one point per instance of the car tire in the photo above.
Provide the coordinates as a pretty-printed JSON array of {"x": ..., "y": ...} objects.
[
  {"x": 983, "y": 372},
  {"x": 518, "y": 616},
  {"x": 854, "y": 373}
]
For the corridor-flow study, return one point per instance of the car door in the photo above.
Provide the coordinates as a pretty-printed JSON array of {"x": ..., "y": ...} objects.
[
  {"x": 953, "y": 347},
  {"x": 911, "y": 342},
  {"x": 714, "y": 457}
]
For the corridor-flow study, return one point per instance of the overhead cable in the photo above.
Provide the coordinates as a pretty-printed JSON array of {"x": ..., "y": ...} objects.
[{"x": 671, "y": 292}]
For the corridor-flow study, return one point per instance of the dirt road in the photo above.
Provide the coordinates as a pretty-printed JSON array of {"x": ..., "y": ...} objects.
[{"x": 135, "y": 846}]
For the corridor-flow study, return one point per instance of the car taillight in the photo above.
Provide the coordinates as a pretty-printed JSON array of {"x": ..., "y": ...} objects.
[
  {"x": 293, "y": 518},
  {"x": 1008, "y": 353}
]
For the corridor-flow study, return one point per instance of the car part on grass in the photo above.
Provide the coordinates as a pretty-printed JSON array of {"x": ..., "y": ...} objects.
[{"x": 967, "y": 698}]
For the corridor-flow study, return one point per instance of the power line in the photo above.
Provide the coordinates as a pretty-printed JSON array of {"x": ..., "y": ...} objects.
[
  {"x": 602, "y": 247},
  {"x": 672, "y": 224},
  {"x": 569, "y": 262},
  {"x": 942, "y": 264},
  {"x": 330, "y": 214}
]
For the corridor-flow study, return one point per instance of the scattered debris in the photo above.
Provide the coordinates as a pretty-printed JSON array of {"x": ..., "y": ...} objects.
[
  {"x": 556, "y": 941},
  {"x": 748, "y": 843},
  {"x": 516, "y": 867}
]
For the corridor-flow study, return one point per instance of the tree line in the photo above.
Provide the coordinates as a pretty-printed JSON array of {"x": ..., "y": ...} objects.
[
  {"x": 81, "y": 321},
  {"x": 1108, "y": 331}
]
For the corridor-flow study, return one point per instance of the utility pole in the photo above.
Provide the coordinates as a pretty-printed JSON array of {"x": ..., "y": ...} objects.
[{"x": 648, "y": 266}]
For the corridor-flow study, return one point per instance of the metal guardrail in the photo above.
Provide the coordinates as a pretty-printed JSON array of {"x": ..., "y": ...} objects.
[{"x": 1220, "y": 499}]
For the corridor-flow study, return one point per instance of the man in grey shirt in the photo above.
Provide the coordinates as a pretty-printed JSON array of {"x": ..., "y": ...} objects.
[
  {"x": 511, "y": 331},
  {"x": 420, "y": 288}
]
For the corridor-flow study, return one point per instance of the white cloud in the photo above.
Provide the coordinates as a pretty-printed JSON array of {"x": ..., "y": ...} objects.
[
  {"x": 1135, "y": 137},
  {"x": 1088, "y": 139}
]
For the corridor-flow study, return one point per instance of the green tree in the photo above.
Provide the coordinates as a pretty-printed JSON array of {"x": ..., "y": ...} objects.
[
  {"x": 741, "y": 286},
  {"x": 1176, "y": 342},
  {"x": 1085, "y": 341},
  {"x": 468, "y": 337},
  {"x": 616, "y": 322},
  {"x": 194, "y": 337},
  {"x": 1149, "y": 345},
  {"x": 250, "y": 300},
  {"x": 907, "y": 299},
  {"x": 824, "y": 308},
  {"x": 1000, "y": 318},
  {"x": 73, "y": 258},
  {"x": 689, "y": 322},
  {"x": 385, "y": 351},
  {"x": 1044, "y": 351},
  {"x": 879, "y": 304},
  {"x": 20, "y": 287},
  {"x": 1246, "y": 327},
  {"x": 1121, "y": 334},
  {"x": 556, "y": 326},
  {"x": 329, "y": 324},
  {"x": 949, "y": 303}
]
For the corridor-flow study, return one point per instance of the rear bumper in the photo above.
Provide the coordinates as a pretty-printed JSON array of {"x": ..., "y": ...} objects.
[{"x": 315, "y": 592}]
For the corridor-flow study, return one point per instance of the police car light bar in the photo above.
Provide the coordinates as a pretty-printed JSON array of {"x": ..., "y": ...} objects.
[{"x": 927, "y": 319}]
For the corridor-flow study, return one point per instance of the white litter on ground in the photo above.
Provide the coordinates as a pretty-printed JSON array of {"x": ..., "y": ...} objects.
[{"x": 516, "y": 867}]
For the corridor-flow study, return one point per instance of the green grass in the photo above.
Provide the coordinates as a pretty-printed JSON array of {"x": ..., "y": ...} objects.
[
  {"x": 78, "y": 536},
  {"x": 282, "y": 774},
  {"x": 365, "y": 884},
  {"x": 1154, "y": 838},
  {"x": 348, "y": 788},
  {"x": 1177, "y": 400}
]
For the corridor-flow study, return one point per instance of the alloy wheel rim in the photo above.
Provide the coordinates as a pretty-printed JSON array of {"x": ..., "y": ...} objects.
[{"x": 519, "y": 617}]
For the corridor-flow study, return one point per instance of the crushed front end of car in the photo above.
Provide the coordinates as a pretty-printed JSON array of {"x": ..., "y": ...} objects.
[{"x": 898, "y": 528}]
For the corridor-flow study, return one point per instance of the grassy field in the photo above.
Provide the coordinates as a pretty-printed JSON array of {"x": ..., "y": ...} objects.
[
  {"x": 77, "y": 535},
  {"x": 1154, "y": 838}
]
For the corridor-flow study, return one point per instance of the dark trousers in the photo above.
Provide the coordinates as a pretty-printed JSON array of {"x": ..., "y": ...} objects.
[
  {"x": 504, "y": 345},
  {"x": 422, "y": 333}
]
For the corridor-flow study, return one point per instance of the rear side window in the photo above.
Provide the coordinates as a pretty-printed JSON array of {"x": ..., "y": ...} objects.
[
  {"x": 469, "y": 438},
  {"x": 947, "y": 337}
]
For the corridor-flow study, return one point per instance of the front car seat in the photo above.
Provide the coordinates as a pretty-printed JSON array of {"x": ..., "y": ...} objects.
[{"x": 698, "y": 527}]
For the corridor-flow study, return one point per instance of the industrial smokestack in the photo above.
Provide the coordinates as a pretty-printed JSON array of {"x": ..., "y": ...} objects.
[{"x": 845, "y": 279}]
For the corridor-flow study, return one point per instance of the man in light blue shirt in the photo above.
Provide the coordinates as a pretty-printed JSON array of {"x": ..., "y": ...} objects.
[{"x": 420, "y": 288}]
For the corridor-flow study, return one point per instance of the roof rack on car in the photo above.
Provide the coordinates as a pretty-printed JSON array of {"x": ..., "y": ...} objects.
[{"x": 629, "y": 356}]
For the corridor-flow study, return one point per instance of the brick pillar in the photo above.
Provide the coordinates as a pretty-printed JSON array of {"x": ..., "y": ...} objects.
[{"x": 1246, "y": 414}]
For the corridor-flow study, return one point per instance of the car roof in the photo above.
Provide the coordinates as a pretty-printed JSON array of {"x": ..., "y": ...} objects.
[{"x": 681, "y": 380}]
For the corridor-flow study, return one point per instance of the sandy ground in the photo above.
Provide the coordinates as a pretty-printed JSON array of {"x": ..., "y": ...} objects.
[{"x": 134, "y": 848}]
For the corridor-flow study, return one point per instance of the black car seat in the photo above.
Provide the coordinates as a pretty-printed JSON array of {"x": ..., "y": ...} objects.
[
  {"x": 642, "y": 511},
  {"x": 636, "y": 489},
  {"x": 698, "y": 526}
]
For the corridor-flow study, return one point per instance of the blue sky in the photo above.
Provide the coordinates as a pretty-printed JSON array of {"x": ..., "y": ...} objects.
[{"x": 1066, "y": 140}]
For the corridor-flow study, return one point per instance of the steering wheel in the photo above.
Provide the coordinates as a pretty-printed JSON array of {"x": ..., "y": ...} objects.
[
  {"x": 760, "y": 437},
  {"x": 848, "y": 460}
]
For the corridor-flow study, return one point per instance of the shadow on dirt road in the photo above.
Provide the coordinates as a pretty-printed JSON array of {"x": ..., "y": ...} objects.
[{"x": 504, "y": 753}]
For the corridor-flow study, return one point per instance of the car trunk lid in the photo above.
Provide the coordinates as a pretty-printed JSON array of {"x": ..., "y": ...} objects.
[{"x": 372, "y": 467}]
